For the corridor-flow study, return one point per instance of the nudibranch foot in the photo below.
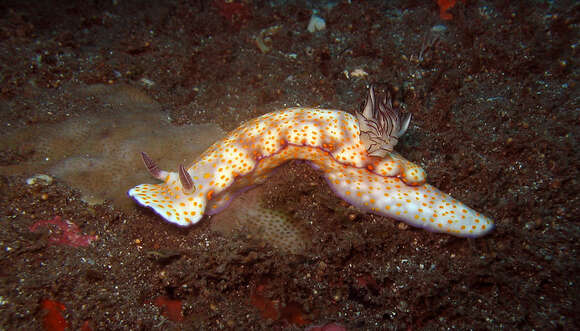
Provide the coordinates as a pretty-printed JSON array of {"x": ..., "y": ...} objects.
[{"x": 223, "y": 200}]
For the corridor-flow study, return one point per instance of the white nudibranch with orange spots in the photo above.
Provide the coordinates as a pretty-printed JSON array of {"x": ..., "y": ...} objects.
[{"x": 354, "y": 154}]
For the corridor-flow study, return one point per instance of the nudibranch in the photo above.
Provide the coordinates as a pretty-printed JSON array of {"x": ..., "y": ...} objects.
[{"x": 354, "y": 154}]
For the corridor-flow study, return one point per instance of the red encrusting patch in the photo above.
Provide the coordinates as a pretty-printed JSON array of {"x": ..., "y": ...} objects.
[
  {"x": 86, "y": 326},
  {"x": 270, "y": 309},
  {"x": 53, "y": 319},
  {"x": 170, "y": 308},
  {"x": 444, "y": 6},
  {"x": 237, "y": 13},
  {"x": 67, "y": 233}
]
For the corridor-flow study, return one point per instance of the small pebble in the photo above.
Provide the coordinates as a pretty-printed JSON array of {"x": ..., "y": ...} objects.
[
  {"x": 146, "y": 82},
  {"x": 316, "y": 24},
  {"x": 439, "y": 28},
  {"x": 41, "y": 179}
]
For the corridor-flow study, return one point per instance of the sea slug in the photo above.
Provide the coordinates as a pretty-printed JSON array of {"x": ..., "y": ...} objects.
[{"x": 354, "y": 154}]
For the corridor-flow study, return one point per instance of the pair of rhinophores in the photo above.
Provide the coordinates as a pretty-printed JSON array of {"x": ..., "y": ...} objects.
[{"x": 353, "y": 153}]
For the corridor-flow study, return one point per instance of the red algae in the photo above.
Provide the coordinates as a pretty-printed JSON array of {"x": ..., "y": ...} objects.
[
  {"x": 268, "y": 308},
  {"x": 237, "y": 13},
  {"x": 53, "y": 319},
  {"x": 444, "y": 6},
  {"x": 67, "y": 233},
  {"x": 271, "y": 309},
  {"x": 170, "y": 308}
]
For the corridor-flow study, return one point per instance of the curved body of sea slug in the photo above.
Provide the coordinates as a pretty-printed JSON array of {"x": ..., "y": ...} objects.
[{"x": 355, "y": 155}]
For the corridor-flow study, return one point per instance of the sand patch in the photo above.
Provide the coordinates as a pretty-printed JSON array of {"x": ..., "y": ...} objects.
[{"x": 99, "y": 153}]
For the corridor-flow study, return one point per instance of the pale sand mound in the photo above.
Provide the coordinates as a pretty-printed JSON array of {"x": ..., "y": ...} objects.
[{"x": 99, "y": 154}]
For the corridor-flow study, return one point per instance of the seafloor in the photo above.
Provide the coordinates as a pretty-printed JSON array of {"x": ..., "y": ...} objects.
[{"x": 84, "y": 86}]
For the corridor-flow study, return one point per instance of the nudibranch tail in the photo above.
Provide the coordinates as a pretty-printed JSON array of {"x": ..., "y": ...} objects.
[
  {"x": 381, "y": 124},
  {"x": 421, "y": 206}
]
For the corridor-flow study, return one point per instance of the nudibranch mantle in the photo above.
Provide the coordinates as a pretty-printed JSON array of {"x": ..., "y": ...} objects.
[{"x": 370, "y": 177}]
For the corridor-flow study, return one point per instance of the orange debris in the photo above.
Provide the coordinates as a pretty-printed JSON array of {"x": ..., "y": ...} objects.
[
  {"x": 53, "y": 320},
  {"x": 171, "y": 308},
  {"x": 444, "y": 6}
]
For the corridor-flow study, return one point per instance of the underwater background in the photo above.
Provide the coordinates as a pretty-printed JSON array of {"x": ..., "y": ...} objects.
[{"x": 85, "y": 86}]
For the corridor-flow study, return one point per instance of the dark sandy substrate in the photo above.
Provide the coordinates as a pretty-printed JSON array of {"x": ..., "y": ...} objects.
[{"x": 496, "y": 120}]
